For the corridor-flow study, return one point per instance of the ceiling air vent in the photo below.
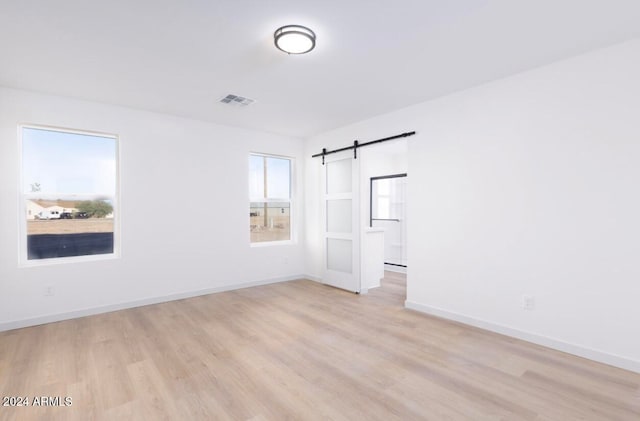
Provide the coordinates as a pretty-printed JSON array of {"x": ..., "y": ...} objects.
[{"x": 237, "y": 100}]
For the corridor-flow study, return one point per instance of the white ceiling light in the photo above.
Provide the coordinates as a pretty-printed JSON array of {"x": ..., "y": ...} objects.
[{"x": 294, "y": 39}]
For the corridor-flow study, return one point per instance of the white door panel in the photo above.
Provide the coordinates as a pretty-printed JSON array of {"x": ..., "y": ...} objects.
[{"x": 341, "y": 221}]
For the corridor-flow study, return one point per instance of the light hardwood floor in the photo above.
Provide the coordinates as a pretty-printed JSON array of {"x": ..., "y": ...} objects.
[{"x": 300, "y": 350}]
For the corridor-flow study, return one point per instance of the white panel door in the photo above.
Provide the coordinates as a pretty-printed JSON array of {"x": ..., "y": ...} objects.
[{"x": 341, "y": 206}]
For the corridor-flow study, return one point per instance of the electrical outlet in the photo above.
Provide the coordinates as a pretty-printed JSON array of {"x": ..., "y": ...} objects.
[
  {"x": 285, "y": 260},
  {"x": 528, "y": 302},
  {"x": 49, "y": 291}
]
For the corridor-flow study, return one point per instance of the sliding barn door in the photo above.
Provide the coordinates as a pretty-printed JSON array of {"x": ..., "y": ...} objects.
[{"x": 341, "y": 204}]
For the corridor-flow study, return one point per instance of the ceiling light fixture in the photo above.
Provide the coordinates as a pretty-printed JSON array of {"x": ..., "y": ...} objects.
[{"x": 294, "y": 39}]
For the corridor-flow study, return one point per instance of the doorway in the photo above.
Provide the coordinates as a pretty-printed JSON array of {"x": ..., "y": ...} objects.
[
  {"x": 384, "y": 198},
  {"x": 387, "y": 210}
]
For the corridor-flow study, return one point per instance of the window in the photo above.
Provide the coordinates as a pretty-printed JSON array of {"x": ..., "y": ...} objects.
[
  {"x": 69, "y": 189},
  {"x": 270, "y": 198},
  {"x": 387, "y": 197}
]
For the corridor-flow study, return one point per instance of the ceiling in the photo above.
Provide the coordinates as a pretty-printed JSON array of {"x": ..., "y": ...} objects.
[{"x": 372, "y": 57}]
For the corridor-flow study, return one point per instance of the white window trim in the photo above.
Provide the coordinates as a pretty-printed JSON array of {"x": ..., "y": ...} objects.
[
  {"x": 23, "y": 260},
  {"x": 292, "y": 212}
]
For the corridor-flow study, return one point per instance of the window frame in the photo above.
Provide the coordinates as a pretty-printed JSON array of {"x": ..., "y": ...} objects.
[
  {"x": 291, "y": 201},
  {"x": 23, "y": 260}
]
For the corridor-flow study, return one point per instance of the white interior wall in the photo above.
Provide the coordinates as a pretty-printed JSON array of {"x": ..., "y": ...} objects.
[
  {"x": 184, "y": 213},
  {"x": 525, "y": 186}
]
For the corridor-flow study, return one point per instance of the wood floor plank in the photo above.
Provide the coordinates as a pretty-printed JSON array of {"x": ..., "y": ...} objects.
[{"x": 300, "y": 350}]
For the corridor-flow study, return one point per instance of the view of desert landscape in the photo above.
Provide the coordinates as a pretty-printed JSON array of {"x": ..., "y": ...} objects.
[
  {"x": 276, "y": 229},
  {"x": 69, "y": 226}
]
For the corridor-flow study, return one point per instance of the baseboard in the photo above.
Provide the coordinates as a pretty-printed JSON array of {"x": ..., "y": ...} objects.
[
  {"x": 57, "y": 317},
  {"x": 313, "y": 278},
  {"x": 581, "y": 351}
]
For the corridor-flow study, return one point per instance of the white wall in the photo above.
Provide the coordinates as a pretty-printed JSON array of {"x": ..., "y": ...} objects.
[
  {"x": 181, "y": 166},
  {"x": 527, "y": 185}
]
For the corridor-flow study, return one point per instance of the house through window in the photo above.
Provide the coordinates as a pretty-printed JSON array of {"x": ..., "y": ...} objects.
[
  {"x": 270, "y": 198},
  {"x": 69, "y": 193}
]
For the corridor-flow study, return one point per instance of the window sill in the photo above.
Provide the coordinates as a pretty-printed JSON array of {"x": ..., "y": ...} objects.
[{"x": 65, "y": 260}]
